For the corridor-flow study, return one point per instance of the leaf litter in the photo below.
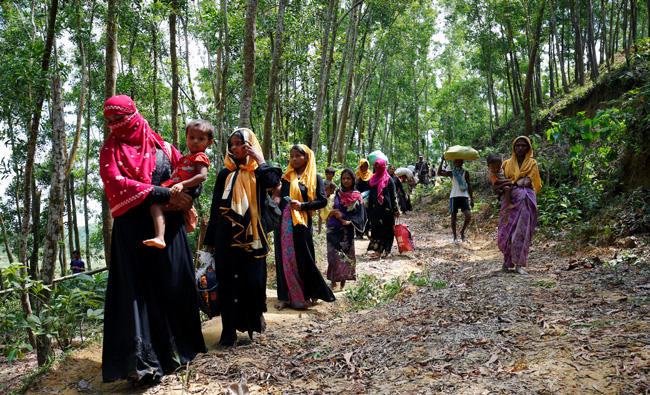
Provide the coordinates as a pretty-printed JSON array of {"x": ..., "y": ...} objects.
[{"x": 574, "y": 324}]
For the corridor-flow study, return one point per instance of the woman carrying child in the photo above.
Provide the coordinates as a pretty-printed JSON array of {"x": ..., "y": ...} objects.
[
  {"x": 517, "y": 225},
  {"x": 151, "y": 313},
  {"x": 300, "y": 283},
  {"x": 348, "y": 215},
  {"x": 236, "y": 238}
]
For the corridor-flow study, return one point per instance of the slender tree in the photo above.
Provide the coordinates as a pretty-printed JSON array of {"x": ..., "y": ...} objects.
[
  {"x": 273, "y": 78},
  {"x": 532, "y": 56},
  {"x": 248, "y": 55}
]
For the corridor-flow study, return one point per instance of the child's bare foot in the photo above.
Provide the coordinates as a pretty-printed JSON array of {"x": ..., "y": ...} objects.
[
  {"x": 155, "y": 242},
  {"x": 510, "y": 206}
]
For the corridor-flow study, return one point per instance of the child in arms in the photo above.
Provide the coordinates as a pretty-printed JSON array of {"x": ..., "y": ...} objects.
[{"x": 190, "y": 172}]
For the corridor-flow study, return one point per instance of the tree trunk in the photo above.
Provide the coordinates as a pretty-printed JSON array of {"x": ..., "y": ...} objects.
[
  {"x": 331, "y": 144},
  {"x": 580, "y": 67},
  {"x": 560, "y": 52},
  {"x": 174, "y": 63},
  {"x": 248, "y": 78},
  {"x": 348, "y": 87},
  {"x": 633, "y": 22},
  {"x": 323, "y": 79},
  {"x": 273, "y": 80},
  {"x": 603, "y": 31},
  {"x": 86, "y": 163},
  {"x": 36, "y": 230},
  {"x": 531, "y": 68},
  {"x": 68, "y": 211},
  {"x": 10, "y": 256},
  {"x": 55, "y": 207},
  {"x": 31, "y": 149},
  {"x": 648, "y": 9},
  {"x": 195, "y": 111},
  {"x": 154, "y": 46},
  {"x": 592, "y": 41},
  {"x": 109, "y": 91},
  {"x": 224, "y": 77}
]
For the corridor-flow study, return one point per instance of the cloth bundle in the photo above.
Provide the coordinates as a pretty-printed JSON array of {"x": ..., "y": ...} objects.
[{"x": 461, "y": 152}]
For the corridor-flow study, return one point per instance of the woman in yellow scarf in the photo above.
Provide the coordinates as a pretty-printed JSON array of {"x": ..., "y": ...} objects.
[
  {"x": 517, "y": 225},
  {"x": 236, "y": 238},
  {"x": 299, "y": 282},
  {"x": 363, "y": 175}
]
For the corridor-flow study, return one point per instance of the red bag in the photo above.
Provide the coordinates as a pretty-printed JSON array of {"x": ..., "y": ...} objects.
[{"x": 403, "y": 237}]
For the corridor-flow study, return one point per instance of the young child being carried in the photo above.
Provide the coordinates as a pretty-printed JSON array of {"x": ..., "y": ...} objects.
[
  {"x": 190, "y": 172},
  {"x": 497, "y": 176},
  {"x": 330, "y": 188}
]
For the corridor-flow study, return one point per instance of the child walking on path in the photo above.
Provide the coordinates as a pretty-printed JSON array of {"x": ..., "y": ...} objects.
[
  {"x": 461, "y": 195},
  {"x": 191, "y": 171}
]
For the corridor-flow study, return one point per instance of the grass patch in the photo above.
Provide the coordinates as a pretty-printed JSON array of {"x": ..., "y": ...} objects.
[
  {"x": 545, "y": 284},
  {"x": 370, "y": 291},
  {"x": 425, "y": 280}
]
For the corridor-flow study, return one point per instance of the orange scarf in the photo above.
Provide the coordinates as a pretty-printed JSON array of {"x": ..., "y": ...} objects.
[
  {"x": 308, "y": 179},
  {"x": 244, "y": 188},
  {"x": 528, "y": 167},
  {"x": 365, "y": 176}
]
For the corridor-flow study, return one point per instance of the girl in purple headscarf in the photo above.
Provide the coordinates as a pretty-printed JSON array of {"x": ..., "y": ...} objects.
[{"x": 382, "y": 210}]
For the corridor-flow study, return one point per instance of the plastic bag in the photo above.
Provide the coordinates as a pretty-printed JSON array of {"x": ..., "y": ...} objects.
[
  {"x": 374, "y": 155},
  {"x": 461, "y": 152},
  {"x": 207, "y": 285},
  {"x": 404, "y": 238}
]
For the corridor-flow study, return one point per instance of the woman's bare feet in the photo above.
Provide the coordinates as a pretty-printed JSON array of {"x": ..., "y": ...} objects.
[
  {"x": 520, "y": 270},
  {"x": 342, "y": 284},
  {"x": 281, "y": 305},
  {"x": 374, "y": 255},
  {"x": 155, "y": 242}
]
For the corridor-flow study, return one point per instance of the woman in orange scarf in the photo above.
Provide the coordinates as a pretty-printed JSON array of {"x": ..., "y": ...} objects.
[
  {"x": 299, "y": 282},
  {"x": 236, "y": 237},
  {"x": 517, "y": 225}
]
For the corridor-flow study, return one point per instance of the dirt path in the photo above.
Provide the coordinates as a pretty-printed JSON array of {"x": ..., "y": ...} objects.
[{"x": 585, "y": 330}]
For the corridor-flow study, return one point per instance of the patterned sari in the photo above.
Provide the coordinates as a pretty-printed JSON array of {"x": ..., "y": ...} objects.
[
  {"x": 516, "y": 226},
  {"x": 290, "y": 263}
]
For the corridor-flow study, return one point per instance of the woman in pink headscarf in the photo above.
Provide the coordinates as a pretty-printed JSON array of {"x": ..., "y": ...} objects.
[
  {"x": 151, "y": 315},
  {"x": 382, "y": 210}
]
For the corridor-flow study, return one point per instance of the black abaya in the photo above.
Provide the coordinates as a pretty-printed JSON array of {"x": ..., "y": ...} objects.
[{"x": 151, "y": 314}]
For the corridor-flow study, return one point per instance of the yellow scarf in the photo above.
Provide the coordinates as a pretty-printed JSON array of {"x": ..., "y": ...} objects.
[
  {"x": 308, "y": 179},
  {"x": 528, "y": 166},
  {"x": 365, "y": 176},
  {"x": 244, "y": 188}
]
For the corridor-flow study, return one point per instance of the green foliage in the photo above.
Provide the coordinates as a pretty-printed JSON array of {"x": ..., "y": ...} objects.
[
  {"x": 593, "y": 144},
  {"x": 369, "y": 291},
  {"x": 75, "y": 311},
  {"x": 425, "y": 280}
]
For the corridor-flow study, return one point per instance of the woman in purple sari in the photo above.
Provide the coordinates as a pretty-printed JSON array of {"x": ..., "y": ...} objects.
[
  {"x": 517, "y": 225},
  {"x": 348, "y": 215}
]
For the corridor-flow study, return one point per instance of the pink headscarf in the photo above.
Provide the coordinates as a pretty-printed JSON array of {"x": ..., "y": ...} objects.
[
  {"x": 128, "y": 157},
  {"x": 379, "y": 178}
]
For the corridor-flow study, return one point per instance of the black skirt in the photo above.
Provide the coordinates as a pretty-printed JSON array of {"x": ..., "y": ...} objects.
[{"x": 151, "y": 316}]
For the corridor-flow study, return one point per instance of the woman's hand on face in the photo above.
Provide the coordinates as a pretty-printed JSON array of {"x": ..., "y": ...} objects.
[
  {"x": 179, "y": 202},
  {"x": 295, "y": 204},
  {"x": 253, "y": 153}
]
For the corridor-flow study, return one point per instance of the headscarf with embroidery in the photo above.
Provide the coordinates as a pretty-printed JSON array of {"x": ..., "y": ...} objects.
[
  {"x": 363, "y": 175},
  {"x": 349, "y": 196},
  {"x": 528, "y": 167},
  {"x": 380, "y": 178},
  {"x": 308, "y": 179},
  {"x": 241, "y": 181},
  {"x": 128, "y": 157}
]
